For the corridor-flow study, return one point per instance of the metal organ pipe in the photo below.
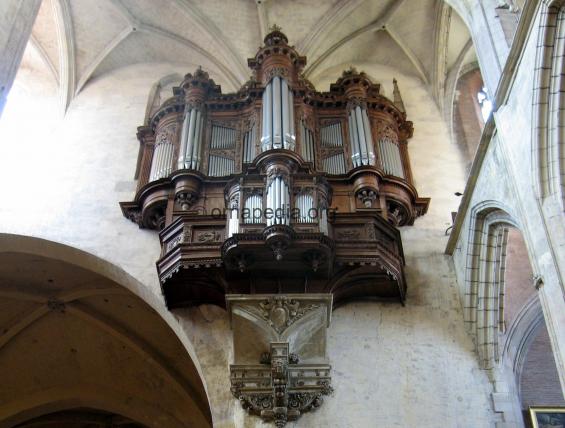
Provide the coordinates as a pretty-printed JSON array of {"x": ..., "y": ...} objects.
[
  {"x": 355, "y": 151},
  {"x": 278, "y": 199},
  {"x": 368, "y": 137},
  {"x": 307, "y": 150},
  {"x": 270, "y": 203},
  {"x": 276, "y": 136},
  {"x": 278, "y": 116},
  {"x": 360, "y": 136},
  {"x": 304, "y": 202},
  {"x": 190, "y": 140},
  {"x": 233, "y": 222},
  {"x": 390, "y": 157},
  {"x": 183, "y": 139},
  {"x": 162, "y": 161},
  {"x": 253, "y": 205}
]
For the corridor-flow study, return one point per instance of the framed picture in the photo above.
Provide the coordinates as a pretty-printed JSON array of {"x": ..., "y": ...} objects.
[{"x": 547, "y": 417}]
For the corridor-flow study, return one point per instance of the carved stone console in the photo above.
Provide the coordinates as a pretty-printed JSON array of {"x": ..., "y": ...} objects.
[{"x": 280, "y": 366}]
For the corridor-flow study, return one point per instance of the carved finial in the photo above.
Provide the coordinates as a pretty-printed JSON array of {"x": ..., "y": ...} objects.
[
  {"x": 397, "y": 97},
  {"x": 351, "y": 70},
  {"x": 274, "y": 28},
  {"x": 275, "y": 37}
]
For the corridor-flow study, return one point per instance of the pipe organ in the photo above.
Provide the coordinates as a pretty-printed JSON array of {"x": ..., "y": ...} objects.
[{"x": 247, "y": 206}]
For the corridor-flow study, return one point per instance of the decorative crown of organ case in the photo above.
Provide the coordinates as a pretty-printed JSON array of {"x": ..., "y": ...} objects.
[{"x": 278, "y": 202}]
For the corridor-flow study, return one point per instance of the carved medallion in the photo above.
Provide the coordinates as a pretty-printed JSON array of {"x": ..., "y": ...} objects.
[{"x": 281, "y": 312}]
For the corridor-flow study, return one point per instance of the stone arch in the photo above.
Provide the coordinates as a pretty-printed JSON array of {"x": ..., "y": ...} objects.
[
  {"x": 549, "y": 103},
  {"x": 521, "y": 334},
  {"x": 485, "y": 278},
  {"x": 78, "y": 332}
]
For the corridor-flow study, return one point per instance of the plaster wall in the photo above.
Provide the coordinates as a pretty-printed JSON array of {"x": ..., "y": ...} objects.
[{"x": 392, "y": 365}]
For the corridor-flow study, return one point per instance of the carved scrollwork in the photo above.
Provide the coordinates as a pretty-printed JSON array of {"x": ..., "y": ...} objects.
[
  {"x": 349, "y": 234},
  {"x": 276, "y": 71},
  {"x": 208, "y": 236},
  {"x": 166, "y": 134},
  {"x": 388, "y": 133},
  {"x": 277, "y": 399}
]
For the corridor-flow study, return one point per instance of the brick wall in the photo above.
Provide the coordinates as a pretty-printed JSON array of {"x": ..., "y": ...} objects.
[
  {"x": 539, "y": 384},
  {"x": 468, "y": 122}
]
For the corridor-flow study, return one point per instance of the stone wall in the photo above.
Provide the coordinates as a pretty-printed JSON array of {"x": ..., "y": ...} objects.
[{"x": 506, "y": 179}]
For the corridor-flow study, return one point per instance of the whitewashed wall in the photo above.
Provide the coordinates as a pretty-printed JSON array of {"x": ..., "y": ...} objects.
[{"x": 392, "y": 365}]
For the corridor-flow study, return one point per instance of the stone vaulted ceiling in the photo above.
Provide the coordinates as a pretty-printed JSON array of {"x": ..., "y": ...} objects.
[{"x": 75, "y": 41}]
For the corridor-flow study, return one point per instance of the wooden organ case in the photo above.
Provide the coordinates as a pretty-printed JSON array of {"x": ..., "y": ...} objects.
[{"x": 277, "y": 190}]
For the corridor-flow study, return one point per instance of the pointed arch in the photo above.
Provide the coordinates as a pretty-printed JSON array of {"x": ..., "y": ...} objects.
[
  {"x": 485, "y": 278},
  {"x": 98, "y": 325},
  {"x": 548, "y": 138}
]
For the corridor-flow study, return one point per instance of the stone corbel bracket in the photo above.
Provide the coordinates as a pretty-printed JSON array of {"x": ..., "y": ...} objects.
[{"x": 280, "y": 366}]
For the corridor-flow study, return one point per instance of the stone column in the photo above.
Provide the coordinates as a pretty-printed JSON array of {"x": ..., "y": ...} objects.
[{"x": 16, "y": 21}]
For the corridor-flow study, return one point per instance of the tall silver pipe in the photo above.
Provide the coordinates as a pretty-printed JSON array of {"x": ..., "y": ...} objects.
[
  {"x": 267, "y": 132},
  {"x": 291, "y": 119},
  {"x": 276, "y": 106},
  {"x": 193, "y": 141},
  {"x": 361, "y": 133},
  {"x": 386, "y": 152},
  {"x": 368, "y": 137},
  {"x": 190, "y": 139},
  {"x": 183, "y": 139},
  {"x": 285, "y": 115},
  {"x": 355, "y": 153},
  {"x": 277, "y": 197}
]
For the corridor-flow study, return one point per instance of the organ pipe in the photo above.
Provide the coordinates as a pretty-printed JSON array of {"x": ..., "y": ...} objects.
[
  {"x": 249, "y": 145},
  {"x": 335, "y": 164},
  {"x": 278, "y": 116},
  {"x": 278, "y": 198},
  {"x": 307, "y": 147},
  {"x": 162, "y": 162},
  {"x": 361, "y": 141},
  {"x": 191, "y": 140},
  {"x": 391, "y": 160},
  {"x": 304, "y": 203},
  {"x": 253, "y": 209}
]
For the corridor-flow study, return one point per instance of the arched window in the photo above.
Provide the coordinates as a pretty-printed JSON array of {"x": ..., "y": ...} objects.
[{"x": 485, "y": 103}]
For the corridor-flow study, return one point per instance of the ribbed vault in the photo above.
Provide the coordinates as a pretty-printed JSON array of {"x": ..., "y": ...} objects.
[
  {"x": 78, "y": 41},
  {"x": 73, "y": 338}
]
